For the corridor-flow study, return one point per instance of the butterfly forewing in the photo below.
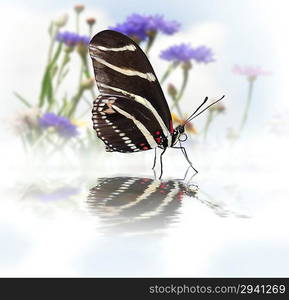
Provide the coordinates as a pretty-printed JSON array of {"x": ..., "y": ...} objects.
[{"x": 122, "y": 70}]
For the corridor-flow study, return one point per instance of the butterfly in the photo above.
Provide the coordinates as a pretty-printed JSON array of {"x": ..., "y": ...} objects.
[
  {"x": 137, "y": 204},
  {"x": 131, "y": 113}
]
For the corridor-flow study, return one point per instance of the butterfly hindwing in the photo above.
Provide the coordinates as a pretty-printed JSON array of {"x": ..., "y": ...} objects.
[{"x": 124, "y": 125}]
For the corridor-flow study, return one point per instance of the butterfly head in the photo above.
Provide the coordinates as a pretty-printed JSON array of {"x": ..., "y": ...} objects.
[
  {"x": 180, "y": 129},
  {"x": 179, "y": 134}
]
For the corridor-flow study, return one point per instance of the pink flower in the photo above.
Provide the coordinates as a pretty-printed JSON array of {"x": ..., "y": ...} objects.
[
  {"x": 25, "y": 120},
  {"x": 252, "y": 72}
]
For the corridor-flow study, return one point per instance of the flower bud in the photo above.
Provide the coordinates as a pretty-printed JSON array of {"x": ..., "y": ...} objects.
[
  {"x": 61, "y": 21},
  {"x": 69, "y": 49},
  {"x": 79, "y": 8},
  {"x": 151, "y": 33},
  {"x": 90, "y": 21},
  {"x": 135, "y": 38},
  {"x": 187, "y": 65},
  {"x": 26, "y": 120},
  {"x": 82, "y": 49},
  {"x": 87, "y": 84},
  {"x": 218, "y": 107},
  {"x": 252, "y": 78},
  {"x": 172, "y": 90}
]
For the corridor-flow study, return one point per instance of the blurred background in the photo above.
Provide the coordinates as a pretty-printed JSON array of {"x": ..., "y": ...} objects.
[{"x": 51, "y": 157}]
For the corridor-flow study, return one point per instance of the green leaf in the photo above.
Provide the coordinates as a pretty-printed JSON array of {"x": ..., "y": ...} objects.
[
  {"x": 46, "y": 90},
  {"x": 64, "y": 74},
  {"x": 23, "y": 100},
  {"x": 46, "y": 86},
  {"x": 63, "y": 107},
  {"x": 56, "y": 55}
]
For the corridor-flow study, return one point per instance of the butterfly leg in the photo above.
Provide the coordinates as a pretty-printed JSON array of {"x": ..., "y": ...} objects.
[
  {"x": 155, "y": 158},
  {"x": 161, "y": 159},
  {"x": 186, "y": 157}
]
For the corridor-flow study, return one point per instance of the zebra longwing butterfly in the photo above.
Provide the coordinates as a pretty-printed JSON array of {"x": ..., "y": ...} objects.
[
  {"x": 137, "y": 204},
  {"x": 131, "y": 113}
]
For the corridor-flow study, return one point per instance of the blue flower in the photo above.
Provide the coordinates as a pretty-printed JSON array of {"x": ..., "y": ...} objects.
[
  {"x": 140, "y": 26},
  {"x": 203, "y": 54},
  {"x": 157, "y": 23},
  {"x": 60, "y": 194},
  {"x": 184, "y": 53},
  {"x": 62, "y": 125},
  {"x": 71, "y": 39}
]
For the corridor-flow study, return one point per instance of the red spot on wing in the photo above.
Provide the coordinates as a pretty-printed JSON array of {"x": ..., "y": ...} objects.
[
  {"x": 158, "y": 139},
  {"x": 158, "y": 132},
  {"x": 142, "y": 145},
  {"x": 180, "y": 196},
  {"x": 171, "y": 127},
  {"x": 145, "y": 148}
]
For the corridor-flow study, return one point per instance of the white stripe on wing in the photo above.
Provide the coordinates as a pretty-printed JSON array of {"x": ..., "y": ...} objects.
[
  {"x": 124, "y": 48},
  {"x": 147, "y": 104},
  {"x": 150, "y": 139},
  {"x": 128, "y": 72}
]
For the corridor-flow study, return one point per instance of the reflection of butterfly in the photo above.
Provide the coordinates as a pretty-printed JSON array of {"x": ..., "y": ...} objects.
[
  {"x": 131, "y": 113},
  {"x": 137, "y": 203}
]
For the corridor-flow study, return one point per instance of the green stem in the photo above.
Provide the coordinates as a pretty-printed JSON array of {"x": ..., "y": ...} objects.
[
  {"x": 179, "y": 110},
  {"x": 22, "y": 99},
  {"x": 85, "y": 69},
  {"x": 57, "y": 147},
  {"x": 90, "y": 30},
  {"x": 41, "y": 138},
  {"x": 77, "y": 23},
  {"x": 75, "y": 101},
  {"x": 184, "y": 84},
  {"x": 208, "y": 123},
  {"x": 152, "y": 37},
  {"x": 181, "y": 92},
  {"x": 87, "y": 74},
  {"x": 80, "y": 75},
  {"x": 60, "y": 72},
  {"x": 169, "y": 70},
  {"x": 52, "y": 43},
  {"x": 249, "y": 100},
  {"x": 24, "y": 143},
  {"x": 176, "y": 105}
]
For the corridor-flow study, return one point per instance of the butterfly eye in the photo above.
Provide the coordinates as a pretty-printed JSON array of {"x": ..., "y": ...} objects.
[{"x": 183, "y": 137}]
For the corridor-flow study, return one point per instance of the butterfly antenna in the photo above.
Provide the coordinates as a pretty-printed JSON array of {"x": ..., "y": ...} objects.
[
  {"x": 198, "y": 108},
  {"x": 194, "y": 115}
]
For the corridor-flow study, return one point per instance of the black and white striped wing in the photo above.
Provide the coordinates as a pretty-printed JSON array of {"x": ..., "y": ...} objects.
[
  {"x": 124, "y": 127},
  {"x": 140, "y": 202},
  {"x": 122, "y": 69}
]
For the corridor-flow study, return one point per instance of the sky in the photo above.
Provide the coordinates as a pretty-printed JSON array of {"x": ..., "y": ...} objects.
[{"x": 250, "y": 32}]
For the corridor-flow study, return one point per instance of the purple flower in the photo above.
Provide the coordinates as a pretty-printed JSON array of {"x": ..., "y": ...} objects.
[
  {"x": 60, "y": 194},
  {"x": 140, "y": 26},
  {"x": 203, "y": 54},
  {"x": 250, "y": 72},
  {"x": 185, "y": 53},
  {"x": 71, "y": 39},
  {"x": 62, "y": 125},
  {"x": 157, "y": 22}
]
